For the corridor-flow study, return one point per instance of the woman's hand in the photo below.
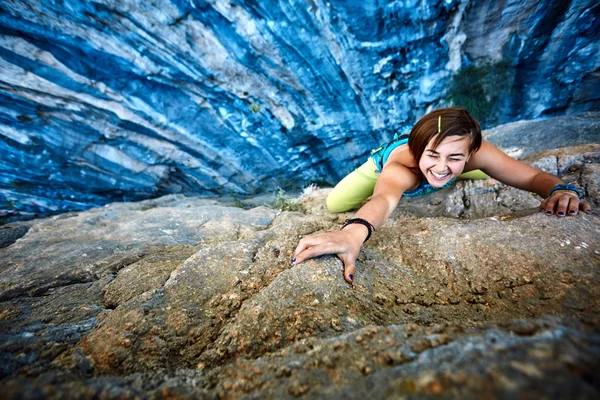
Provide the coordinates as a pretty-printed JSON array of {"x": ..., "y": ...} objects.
[
  {"x": 564, "y": 202},
  {"x": 345, "y": 244}
]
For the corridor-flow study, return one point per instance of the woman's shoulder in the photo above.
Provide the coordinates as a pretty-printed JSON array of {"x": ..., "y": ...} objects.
[
  {"x": 403, "y": 170},
  {"x": 402, "y": 156},
  {"x": 396, "y": 179}
]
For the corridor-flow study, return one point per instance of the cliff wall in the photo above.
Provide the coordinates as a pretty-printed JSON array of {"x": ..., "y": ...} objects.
[{"x": 127, "y": 100}]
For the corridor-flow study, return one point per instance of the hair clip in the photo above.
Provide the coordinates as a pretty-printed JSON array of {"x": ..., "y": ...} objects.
[{"x": 440, "y": 124}]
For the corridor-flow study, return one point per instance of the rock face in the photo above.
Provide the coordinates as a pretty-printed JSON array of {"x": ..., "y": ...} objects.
[
  {"x": 186, "y": 298},
  {"x": 127, "y": 100}
]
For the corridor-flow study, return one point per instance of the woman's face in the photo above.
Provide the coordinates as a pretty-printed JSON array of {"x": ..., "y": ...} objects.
[{"x": 445, "y": 162}]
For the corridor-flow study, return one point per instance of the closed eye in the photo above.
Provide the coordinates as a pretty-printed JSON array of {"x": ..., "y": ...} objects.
[{"x": 449, "y": 159}]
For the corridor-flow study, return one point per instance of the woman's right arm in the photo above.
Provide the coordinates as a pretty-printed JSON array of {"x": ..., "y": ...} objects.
[{"x": 346, "y": 243}]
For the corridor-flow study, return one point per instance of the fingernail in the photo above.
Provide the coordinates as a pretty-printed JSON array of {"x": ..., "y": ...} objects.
[
  {"x": 588, "y": 211},
  {"x": 548, "y": 212},
  {"x": 293, "y": 261},
  {"x": 572, "y": 212},
  {"x": 350, "y": 276},
  {"x": 561, "y": 214}
]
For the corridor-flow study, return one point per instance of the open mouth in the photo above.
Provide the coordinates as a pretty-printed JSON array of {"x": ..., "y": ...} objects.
[{"x": 439, "y": 177}]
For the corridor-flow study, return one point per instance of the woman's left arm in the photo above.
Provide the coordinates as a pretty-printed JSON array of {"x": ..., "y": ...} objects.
[{"x": 507, "y": 170}]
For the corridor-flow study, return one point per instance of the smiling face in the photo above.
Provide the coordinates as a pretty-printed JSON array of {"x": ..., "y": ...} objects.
[{"x": 445, "y": 162}]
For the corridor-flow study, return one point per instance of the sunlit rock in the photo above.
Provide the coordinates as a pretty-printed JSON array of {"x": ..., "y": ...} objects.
[
  {"x": 126, "y": 100},
  {"x": 469, "y": 292}
]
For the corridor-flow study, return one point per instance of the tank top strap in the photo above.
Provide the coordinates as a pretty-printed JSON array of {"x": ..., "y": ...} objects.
[
  {"x": 425, "y": 188},
  {"x": 381, "y": 154}
]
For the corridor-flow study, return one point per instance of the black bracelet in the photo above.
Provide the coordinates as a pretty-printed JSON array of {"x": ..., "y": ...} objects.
[
  {"x": 361, "y": 221},
  {"x": 565, "y": 186}
]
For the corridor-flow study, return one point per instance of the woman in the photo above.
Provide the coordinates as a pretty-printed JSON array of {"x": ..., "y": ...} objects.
[{"x": 441, "y": 146}]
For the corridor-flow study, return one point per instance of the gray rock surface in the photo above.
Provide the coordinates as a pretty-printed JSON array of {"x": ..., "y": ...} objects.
[
  {"x": 523, "y": 138},
  {"x": 188, "y": 298},
  {"x": 126, "y": 100}
]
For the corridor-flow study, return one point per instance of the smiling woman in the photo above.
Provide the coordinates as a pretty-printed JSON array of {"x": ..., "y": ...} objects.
[
  {"x": 432, "y": 133},
  {"x": 446, "y": 161},
  {"x": 442, "y": 146}
]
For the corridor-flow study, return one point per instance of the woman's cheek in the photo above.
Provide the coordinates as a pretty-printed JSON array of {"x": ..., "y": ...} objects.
[{"x": 458, "y": 168}]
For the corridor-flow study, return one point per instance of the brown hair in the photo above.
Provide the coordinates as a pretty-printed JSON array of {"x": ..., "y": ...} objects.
[{"x": 455, "y": 121}]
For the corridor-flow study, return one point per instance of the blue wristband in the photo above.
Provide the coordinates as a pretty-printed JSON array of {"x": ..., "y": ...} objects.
[{"x": 566, "y": 186}]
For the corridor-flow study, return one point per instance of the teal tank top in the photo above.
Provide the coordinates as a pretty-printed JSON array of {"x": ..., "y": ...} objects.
[{"x": 381, "y": 154}]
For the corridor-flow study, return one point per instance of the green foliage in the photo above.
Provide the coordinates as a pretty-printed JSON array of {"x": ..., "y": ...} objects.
[
  {"x": 240, "y": 204},
  {"x": 148, "y": 206},
  {"x": 309, "y": 189},
  {"x": 237, "y": 202},
  {"x": 480, "y": 89},
  {"x": 285, "y": 203},
  {"x": 254, "y": 108}
]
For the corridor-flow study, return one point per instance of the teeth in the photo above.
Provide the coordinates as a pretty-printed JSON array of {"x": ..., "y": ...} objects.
[{"x": 440, "y": 176}]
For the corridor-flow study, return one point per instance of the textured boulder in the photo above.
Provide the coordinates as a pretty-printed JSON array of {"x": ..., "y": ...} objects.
[
  {"x": 104, "y": 240},
  {"x": 182, "y": 297},
  {"x": 126, "y": 100}
]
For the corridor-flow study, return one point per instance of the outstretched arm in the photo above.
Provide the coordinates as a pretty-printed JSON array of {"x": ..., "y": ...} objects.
[
  {"x": 515, "y": 173},
  {"x": 346, "y": 243}
]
